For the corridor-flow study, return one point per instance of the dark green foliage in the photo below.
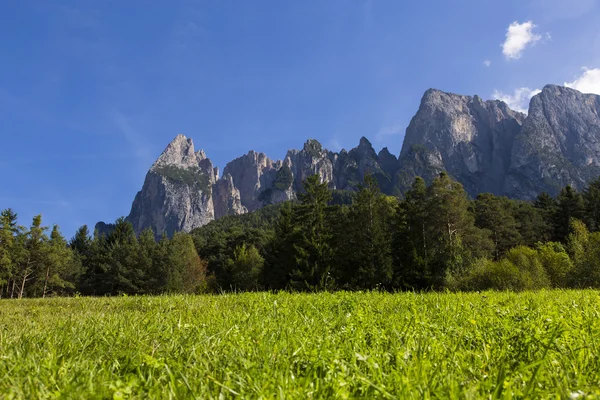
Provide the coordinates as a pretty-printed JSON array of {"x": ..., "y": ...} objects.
[
  {"x": 62, "y": 269},
  {"x": 216, "y": 241},
  {"x": 584, "y": 248},
  {"x": 591, "y": 199},
  {"x": 366, "y": 245},
  {"x": 192, "y": 176},
  {"x": 556, "y": 262},
  {"x": 186, "y": 272},
  {"x": 246, "y": 268},
  {"x": 8, "y": 243},
  {"x": 495, "y": 214},
  {"x": 436, "y": 234},
  {"x": 280, "y": 259},
  {"x": 569, "y": 205},
  {"x": 433, "y": 238},
  {"x": 312, "y": 249},
  {"x": 342, "y": 197},
  {"x": 410, "y": 239},
  {"x": 532, "y": 224},
  {"x": 284, "y": 178}
]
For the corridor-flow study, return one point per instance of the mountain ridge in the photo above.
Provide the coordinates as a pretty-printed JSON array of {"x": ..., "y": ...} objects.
[{"x": 484, "y": 145}]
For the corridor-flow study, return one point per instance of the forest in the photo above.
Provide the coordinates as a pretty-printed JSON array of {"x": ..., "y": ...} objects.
[{"x": 433, "y": 238}]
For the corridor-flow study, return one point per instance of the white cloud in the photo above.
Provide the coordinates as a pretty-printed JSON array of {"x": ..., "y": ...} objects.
[
  {"x": 518, "y": 37},
  {"x": 487, "y": 63},
  {"x": 588, "y": 82},
  {"x": 519, "y": 100}
]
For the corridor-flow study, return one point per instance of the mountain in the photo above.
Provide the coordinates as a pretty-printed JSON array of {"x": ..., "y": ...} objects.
[
  {"x": 182, "y": 191},
  {"x": 483, "y": 144},
  {"x": 469, "y": 138},
  {"x": 558, "y": 145}
]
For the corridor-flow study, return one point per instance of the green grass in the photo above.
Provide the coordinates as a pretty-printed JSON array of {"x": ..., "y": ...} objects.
[{"x": 343, "y": 345}]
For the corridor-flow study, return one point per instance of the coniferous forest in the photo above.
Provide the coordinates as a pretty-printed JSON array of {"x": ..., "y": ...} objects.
[{"x": 433, "y": 238}]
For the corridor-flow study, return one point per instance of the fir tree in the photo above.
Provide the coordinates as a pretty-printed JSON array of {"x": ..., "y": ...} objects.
[
  {"x": 369, "y": 226},
  {"x": 8, "y": 231},
  {"x": 312, "y": 248},
  {"x": 591, "y": 199},
  {"x": 570, "y": 205}
]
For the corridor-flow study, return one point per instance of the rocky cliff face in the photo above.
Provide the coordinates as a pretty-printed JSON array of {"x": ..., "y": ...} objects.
[
  {"x": 252, "y": 174},
  {"x": 350, "y": 167},
  {"x": 558, "y": 145},
  {"x": 469, "y": 138},
  {"x": 483, "y": 144},
  {"x": 177, "y": 191},
  {"x": 226, "y": 198}
]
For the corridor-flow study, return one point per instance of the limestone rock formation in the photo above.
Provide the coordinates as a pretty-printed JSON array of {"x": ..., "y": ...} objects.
[
  {"x": 558, "y": 145},
  {"x": 312, "y": 159},
  {"x": 252, "y": 174},
  {"x": 483, "y": 144},
  {"x": 469, "y": 138},
  {"x": 177, "y": 191},
  {"x": 351, "y": 167},
  {"x": 226, "y": 198}
]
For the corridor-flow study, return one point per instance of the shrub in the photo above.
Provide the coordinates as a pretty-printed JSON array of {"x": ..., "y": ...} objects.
[
  {"x": 528, "y": 262},
  {"x": 556, "y": 263},
  {"x": 490, "y": 275},
  {"x": 587, "y": 265}
]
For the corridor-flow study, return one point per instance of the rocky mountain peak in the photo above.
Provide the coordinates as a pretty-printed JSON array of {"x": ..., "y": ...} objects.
[
  {"x": 481, "y": 143},
  {"x": 365, "y": 148},
  {"x": 558, "y": 145},
  {"x": 469, "y": 138},
  {"x": 180, "y": 153}
]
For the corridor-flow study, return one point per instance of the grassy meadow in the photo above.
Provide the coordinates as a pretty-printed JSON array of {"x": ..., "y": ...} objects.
[{"x": 330, "y": 345}]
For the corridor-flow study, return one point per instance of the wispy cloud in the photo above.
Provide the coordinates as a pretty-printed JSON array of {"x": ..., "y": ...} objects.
[
  {"x": 334, "y": 143},
  {"x": 386, "y": 132},
  {"x": 487, "y": 63},
  {"x": 519, "y": 100},
  {"x": 518, "y": 38},
  {"x": 588, "y": 82},
  {"x": 139, "y": 146}
]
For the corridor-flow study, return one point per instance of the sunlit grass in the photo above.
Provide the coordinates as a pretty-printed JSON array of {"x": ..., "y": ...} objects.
[{"x": 342, "y": 345}]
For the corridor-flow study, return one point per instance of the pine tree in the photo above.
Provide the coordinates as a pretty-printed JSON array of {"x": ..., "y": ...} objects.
[
  {"x": 532, "y": 223},
  {"x": 343, "y": 243},
  {"x": 8, "y": 230},
  {"x": 81, "y": 243},
  {"x": 410, "y": 247},
  {"x": 570, "y": 205},
  {"x": 450, "y": 222},
  {"x": 280, "y": 259},
  {"x": 61, "y": 272},
  {"x": 371, "y": 255},
  {"x": 186, "y": 270},
  {"x": 123, "y": 249},
  {"x": 591, "y": 198},
  {"x": 32, "y": 259},
  {"x": 495, "y": 214},
  {"x": 146, "y": 263},
  {"x": 312, "y": 248},
  {"x": 151, "y": 262}
]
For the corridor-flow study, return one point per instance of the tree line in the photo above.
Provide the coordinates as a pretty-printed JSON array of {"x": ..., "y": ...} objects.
[{"x": 433, "y": 238}]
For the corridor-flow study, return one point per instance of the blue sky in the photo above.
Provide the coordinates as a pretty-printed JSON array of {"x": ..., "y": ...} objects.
[{"x": 92, "y": 91}]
